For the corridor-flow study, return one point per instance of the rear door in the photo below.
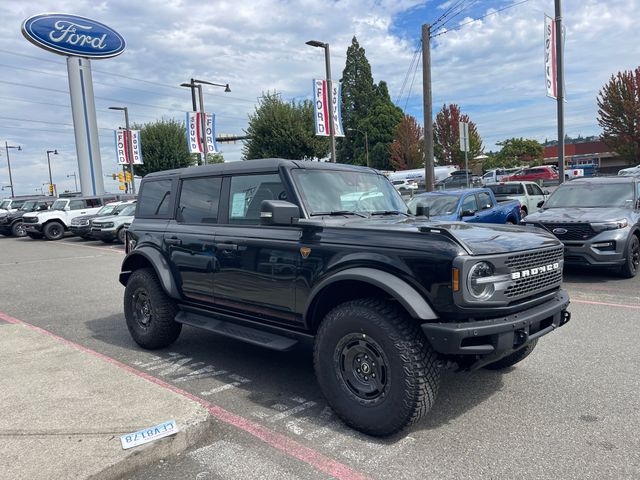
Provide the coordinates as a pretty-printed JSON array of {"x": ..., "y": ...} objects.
[
  {"x": 189, "y": 237},
  {"x": 256, "y": 265},
  {"x": 535, "y": 195},
  {"x": 486, "y": 209}
]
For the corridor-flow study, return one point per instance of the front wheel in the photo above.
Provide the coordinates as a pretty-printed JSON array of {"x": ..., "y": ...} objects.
[
  {"x": 121, "y": 235},
  {"x": 512, "y": 359},
  {"x": 374, "y": 366},
  {"x": 150, "y": 313},
  {"x": 53, "y": 231},
  {"x": 632, "y": 261},
  {"x": 17, "y": 230}
]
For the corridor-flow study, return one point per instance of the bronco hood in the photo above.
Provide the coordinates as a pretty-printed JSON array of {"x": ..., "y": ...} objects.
[{"x": 477, "y": 239}]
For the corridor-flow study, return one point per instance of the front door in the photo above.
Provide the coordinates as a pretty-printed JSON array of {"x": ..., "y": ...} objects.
[{"x": 256, "y": 265}]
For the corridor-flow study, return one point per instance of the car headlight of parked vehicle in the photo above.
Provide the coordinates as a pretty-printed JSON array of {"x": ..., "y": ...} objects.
[
  {"x": 604, "y": 226},
  {"x": 480, "y": 281}
]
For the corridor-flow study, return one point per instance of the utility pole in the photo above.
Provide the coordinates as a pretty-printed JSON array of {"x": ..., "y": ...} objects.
[
  {"x": 560, "y": 88},
  {"x": 7, "y": 147},
  {"x": 428, "y": 108},
  {"x": 55, "y": 152}
]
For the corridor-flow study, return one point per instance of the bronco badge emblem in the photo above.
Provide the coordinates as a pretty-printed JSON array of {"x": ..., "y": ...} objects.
[{"x": 305, "y": 251}]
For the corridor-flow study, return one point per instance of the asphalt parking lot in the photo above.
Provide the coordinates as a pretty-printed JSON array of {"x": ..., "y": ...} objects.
[{"x": 570, "y": 410}]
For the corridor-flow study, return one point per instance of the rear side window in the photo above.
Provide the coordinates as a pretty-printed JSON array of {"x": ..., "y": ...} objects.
[
  {"x": 199, "y": 200},
  {"x": 155, "y": 199},
  {"x": 93, "y": 202},
  {"x": 76, "y": 204},
  {"x": 484, "y": 199},
  {"x": 247, "y": 194},
  {"x": 470, "y": 204}
]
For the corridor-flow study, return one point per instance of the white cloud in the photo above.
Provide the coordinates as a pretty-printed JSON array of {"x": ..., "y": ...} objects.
[{"x": 492, "y": 68}]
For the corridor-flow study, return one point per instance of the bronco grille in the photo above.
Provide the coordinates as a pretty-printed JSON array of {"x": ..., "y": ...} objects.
[
  {"x": 29, "y": 219},
  {"x": 533, "y": 272},
  {"x": 570, "y": 231}
]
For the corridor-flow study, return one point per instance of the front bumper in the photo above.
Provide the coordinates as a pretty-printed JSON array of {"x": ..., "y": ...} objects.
[
  {"x": 103, "y": 234},
  {"x": 489, "y": 340},
  {"x": 81, "y": 231},
  {"x": 33, "y": 227},
  {"x": 595, "y": 252}
]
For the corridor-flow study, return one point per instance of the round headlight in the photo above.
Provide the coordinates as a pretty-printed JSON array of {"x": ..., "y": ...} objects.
[{"x": 479, "y": 289}]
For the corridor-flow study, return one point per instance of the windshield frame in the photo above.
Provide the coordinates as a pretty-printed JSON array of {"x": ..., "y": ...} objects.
[
  {"x": 394, "y": 200},
  {"x": 591, "y": 188}
]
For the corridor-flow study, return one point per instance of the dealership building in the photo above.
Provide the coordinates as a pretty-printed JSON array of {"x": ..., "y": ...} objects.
[{"x": 588, "y": 155}]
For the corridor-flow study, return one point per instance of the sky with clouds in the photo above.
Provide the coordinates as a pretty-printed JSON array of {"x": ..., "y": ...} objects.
[{"x": 492, "y": 68}]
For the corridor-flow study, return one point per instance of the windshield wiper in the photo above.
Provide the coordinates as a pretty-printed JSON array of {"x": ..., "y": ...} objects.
[
  {"x": 337, "y": 213},
  {"x": 389, "y": 212}
]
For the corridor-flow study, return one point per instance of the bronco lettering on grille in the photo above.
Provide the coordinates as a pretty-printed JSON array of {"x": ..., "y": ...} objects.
[{"x": 534, "y": 271}]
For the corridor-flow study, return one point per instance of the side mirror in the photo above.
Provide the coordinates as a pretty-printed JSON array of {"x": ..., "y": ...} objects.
[
  {"x": 540, "y": 204},
  {"x": 467, "y": 213},
  {"x": 278, "y": 212},
  {"x": 422, "y": 210},
  {"x": 546, "y": 192}
]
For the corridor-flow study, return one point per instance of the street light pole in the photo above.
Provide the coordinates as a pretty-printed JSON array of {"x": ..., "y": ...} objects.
[
  {"x": 7, "y": 147},
  {"x": 75, "y": 182},
  {"x": 55, "y": 152},
  {"x": 327, "y": 59},
  {"x": 127, "y": 133},
  {"x": 193, "y": 84}
]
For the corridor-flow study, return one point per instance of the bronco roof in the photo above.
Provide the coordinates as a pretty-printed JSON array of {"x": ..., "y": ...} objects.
[
  {"x": 607, "y": 179},
  {"x": 255, "y": 166}
]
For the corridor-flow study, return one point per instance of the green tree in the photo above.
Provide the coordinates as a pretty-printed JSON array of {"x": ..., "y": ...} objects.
[
  {"x": 358, "y": 97},
  {"x": 406, "y": 149},
  {"x": 619, "y": 114},
  {"x": 446, "y": 136},
  {"x": 215, "y": 157},
  {"x": 516, "y": 151},
  {"x": 283, "y": 130},
  {"x": 164, "y": 146}
]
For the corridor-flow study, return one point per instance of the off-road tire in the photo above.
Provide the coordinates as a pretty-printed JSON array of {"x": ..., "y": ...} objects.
[
  {"x": 53, "y": 231},
  {"x": 161, "y": 330},
  {"x": 121, "y": 234},
  {"x": 35, "y": 236},
  {"x": 17, "y": 230},
  {"x": 512, "y": 359},
  {"x": 632, "y": 259},
  {"x": 411, "y": 371}
]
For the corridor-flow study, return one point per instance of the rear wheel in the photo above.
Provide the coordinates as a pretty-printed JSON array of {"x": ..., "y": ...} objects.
[
  {"x": 53, "y": 231},
  {"x": 374, "y": 366},
  {"x": 17, "y": 230},
  {"x": 121, "y": 234},
  {"x": 515, "y": 357},
  {"x": 632, "y": 263},
  {"x": 150, "y": 313}
]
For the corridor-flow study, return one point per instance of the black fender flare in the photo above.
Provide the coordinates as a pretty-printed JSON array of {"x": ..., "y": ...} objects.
[
  {"x": 160, "y": 265},
  {"x": 404, "y": 293}
]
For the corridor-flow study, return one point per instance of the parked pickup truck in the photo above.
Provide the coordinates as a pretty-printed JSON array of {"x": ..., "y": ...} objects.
[
  {"x": 529, "y": 194},
  {"x": 476, "y": 205}
]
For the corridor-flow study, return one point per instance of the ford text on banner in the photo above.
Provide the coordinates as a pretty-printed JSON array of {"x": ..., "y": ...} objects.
[
  {"x": 322, "y": 111},
  {"x": 210, "y": 132},
  {"x": 550, "y": 76},
  {"x": 121, "y": 147}
]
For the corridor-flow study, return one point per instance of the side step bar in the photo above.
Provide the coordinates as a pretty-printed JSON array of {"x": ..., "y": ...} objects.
[{"x": 239, "y": 332}]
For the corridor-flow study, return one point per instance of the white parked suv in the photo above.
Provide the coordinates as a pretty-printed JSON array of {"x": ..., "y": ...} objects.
[
  {"x": 630, "y": 171},
  {"x": 113, "y": 227},
  {"x": 529, "y": 194},
  {"x": 52, "y": 224}
]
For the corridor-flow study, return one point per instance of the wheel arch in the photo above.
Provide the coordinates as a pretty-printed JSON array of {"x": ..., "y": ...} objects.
[
  {"x": 56, "y": 220},
  {"x": 149, "y": 258},
  {"x": 363, "y": 282}
]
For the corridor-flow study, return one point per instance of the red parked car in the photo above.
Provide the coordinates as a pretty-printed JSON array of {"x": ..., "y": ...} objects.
[{"x": 534, "y": 174}]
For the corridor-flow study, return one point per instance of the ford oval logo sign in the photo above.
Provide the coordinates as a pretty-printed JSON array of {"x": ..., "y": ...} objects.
[
  {"x": 73, "y": 35},
  {"x": 559, "y": 231}
]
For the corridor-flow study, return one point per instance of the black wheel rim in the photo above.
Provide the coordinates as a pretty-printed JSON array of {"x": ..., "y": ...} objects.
[
  {"x": 142, "y": 310},
  {"x": 54, "y": 231},
  {"x": 635, "y": 254},
  {"x": 362, "y": 367}
]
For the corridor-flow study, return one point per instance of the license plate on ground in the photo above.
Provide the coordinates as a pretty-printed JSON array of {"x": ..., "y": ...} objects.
[{"x": 150, "y": 434}]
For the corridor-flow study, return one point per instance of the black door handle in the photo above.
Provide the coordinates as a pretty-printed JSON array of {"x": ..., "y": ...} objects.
[
  {"x": 227, "y": 246},
  {"x": 173, "y": 241}
]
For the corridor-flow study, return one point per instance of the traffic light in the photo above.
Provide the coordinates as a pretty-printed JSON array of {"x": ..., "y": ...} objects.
[
  {"x": 114, "y": 176},
  {"x": 128, "y": 177},
  {"x": 51, "y": 189},
  {"x": 122, "y": 187},
  {"x": 120, "y": 177}
]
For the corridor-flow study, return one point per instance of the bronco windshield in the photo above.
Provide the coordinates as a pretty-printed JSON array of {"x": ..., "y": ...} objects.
[
  {"x": 437, "y": 204},
  {"x": 128, "y": 210},
  {"x": 326, "y": 192},
  {"x": 59, "y": 204},
  {"x": 107, "y": 209},
  {"x": 5, "y": 204},
  {"x": 590, "y": 195},
  {"x": 27, "y": 206}
]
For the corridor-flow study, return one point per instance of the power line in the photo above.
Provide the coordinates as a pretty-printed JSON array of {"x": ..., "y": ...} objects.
[
  {"x": 411, "y": 86},
  {"x": 446, "y": 13},
  {"x": 479, "y": 18},
  {"x": 406, "y": 77}
]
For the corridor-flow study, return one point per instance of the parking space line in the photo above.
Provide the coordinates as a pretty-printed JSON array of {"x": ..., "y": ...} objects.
[
  {"x": 606, "y": 304},
  {"x": 106, "y": 249},
  {"x": 274, "y": 439}
]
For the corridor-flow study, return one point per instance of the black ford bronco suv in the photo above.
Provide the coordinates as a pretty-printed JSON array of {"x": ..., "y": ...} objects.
[{"x": 275, "y": 252}]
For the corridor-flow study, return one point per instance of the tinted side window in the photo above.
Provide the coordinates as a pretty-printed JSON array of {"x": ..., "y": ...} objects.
[
  {"x": 470, "y": 203},
  {"x": 199, "y": 199},
  {"x": 155, "y": 199},
  {"x": 247, "y": 194},
  {"x": 530, "y": 189},
  {"x": 93, "y": 202},
  {"x": 537, "y": 190},
  {"x": 485, "y": 201},
  {"x": 76, "y": 204}
]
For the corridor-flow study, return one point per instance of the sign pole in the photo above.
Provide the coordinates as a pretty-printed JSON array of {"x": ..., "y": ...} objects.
[
  {"x": 129, "y": 148},
  {"x": 560, "y": 88},
  {"x": 203, "y": 124}
]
